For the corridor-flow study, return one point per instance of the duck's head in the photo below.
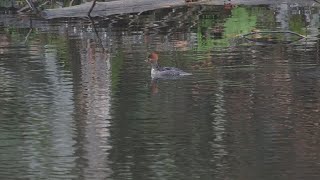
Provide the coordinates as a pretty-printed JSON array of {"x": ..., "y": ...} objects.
[{"x": 153, "y": 58}]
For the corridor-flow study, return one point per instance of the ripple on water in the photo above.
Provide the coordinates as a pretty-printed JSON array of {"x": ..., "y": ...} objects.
[{"x": 71, "y": 109}]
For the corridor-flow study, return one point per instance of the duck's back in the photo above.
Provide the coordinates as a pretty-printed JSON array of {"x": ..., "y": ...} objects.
[{"x": 172, "y": 71}]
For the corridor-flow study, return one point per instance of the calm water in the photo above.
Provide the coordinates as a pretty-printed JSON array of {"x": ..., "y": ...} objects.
[{"x": 77, "y": 100}]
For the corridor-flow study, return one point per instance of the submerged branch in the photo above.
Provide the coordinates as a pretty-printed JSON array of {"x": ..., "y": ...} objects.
[
  {"x": 258, "y": 37},
  {"x": 273, "y": 32},
  {"x": 27, "y": 37}
]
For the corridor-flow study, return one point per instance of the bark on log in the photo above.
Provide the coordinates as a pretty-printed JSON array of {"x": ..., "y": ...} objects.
[
  {"x": 109, "y": 8},
  {"x": 112, "y": 7}
]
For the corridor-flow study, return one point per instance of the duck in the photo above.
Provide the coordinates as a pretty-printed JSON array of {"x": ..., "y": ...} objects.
[{"x": 158, "y": 72}]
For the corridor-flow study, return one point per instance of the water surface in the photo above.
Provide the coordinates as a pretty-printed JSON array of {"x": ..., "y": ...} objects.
[{"x": 77, "y": 100}]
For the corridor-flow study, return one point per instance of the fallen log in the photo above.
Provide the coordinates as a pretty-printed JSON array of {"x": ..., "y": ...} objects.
[
  {"x": 103, "y": 9},
  {"x": 92, "y": 6}
]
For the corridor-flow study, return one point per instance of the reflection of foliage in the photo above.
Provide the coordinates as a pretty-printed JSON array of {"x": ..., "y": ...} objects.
[
  {"x": 19, "y": 35},
  {"x": 8, "y": 3},
  {"x": 63, "y": 52},
  {"x": 47, "y": 3},
  {"x": 264, "y": 16},
  {"x": 239, "y": 22},
  {"x": 296, "y": 24}
]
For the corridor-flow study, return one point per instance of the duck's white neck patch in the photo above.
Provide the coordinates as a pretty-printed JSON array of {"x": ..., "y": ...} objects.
[{"x": 153, "y": 71}]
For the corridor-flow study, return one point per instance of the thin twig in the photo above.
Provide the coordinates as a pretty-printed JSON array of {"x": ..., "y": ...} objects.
[
  {"x": 316, "y": 1},
  {"x": 43, "y": 4},
  {"x": 71, "y": 3},
  {"x": 27, "y": 37},
  {"x": 32, "y": 6},
  {"x": 93, "y": 4}
]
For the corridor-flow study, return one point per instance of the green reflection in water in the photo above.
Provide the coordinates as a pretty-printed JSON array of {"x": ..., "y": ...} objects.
[
  {"x": 239, "y": 22},
  {"x": 297, "y": 24},
  {"x": 60, "y": 43}
]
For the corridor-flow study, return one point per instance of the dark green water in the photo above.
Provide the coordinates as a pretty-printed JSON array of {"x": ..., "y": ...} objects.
[{"x": 77, "y": 100}]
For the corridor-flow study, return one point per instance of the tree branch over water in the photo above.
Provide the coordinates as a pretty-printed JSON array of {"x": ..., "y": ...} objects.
[
  {"x": 32, "y": 6},
  {"x": 90, "y": 10}
]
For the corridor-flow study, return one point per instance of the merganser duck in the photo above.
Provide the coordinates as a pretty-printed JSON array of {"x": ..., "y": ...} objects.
[{"x": 158, "y": 71}]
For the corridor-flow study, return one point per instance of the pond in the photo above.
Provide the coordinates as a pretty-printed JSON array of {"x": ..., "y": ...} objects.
[{"x": 77, "y": 100}]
